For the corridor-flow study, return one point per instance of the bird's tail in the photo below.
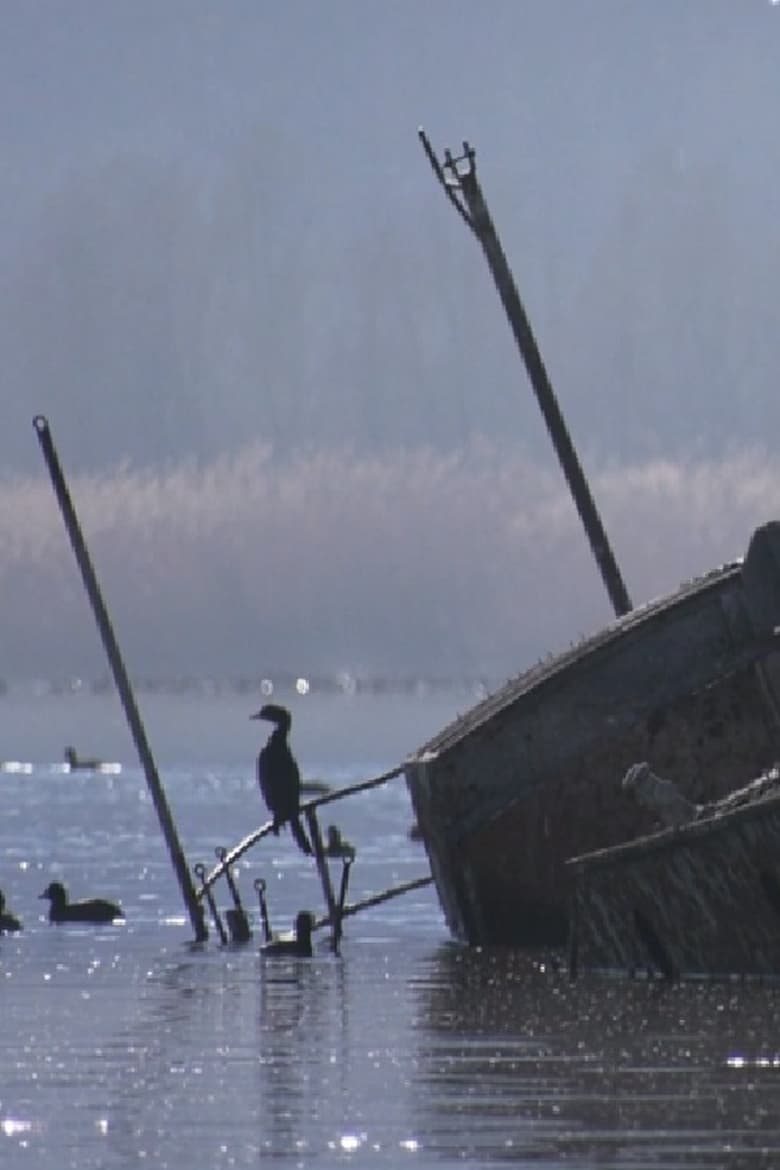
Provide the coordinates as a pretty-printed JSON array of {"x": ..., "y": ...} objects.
[{"x": 301, "y": 840}]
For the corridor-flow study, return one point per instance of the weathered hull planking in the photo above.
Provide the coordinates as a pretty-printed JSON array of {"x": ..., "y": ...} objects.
[
  {"x": 531, "y": 776},
  {"x": 702, "y": 899}
]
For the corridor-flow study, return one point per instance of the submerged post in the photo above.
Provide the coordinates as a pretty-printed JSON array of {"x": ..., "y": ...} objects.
[
  {"x": 121, "y": 679},
  {"x": 460, "y": 179},
  {"x": 322, "y": 868}
]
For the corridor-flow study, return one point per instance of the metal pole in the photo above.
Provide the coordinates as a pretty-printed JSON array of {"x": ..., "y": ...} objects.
[
  {"x": 322, "y": 864},
  {"x": 200, "y": 872},
  {"x": 121, "y": 679},
  {"x": 461, "y": 178}
]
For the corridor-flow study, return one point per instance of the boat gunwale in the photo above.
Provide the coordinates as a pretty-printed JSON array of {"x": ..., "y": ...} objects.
[
  {"x": 718, "y": 821},
  {"x": 548, "y": 671}
]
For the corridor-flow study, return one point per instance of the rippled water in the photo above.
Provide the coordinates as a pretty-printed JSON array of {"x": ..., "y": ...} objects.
[{"x": 127, "y": 1046}]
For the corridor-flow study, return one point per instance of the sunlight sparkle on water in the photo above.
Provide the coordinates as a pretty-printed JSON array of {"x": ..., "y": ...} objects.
[
  {"x": 350, "y": 1142},
  {"x": 11, "y": 1127},
  {"x": 759, "y": 1061}
]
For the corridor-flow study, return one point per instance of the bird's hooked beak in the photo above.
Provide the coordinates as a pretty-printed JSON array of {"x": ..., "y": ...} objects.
[
  {"x": 271, "y": 713},
  {"x": 278, "y": 716}
]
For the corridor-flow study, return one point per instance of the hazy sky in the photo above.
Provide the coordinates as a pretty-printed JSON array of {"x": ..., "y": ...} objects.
[{"x": 223, "y": 250}]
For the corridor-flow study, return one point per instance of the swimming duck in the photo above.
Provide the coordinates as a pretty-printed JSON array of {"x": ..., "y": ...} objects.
[
  {"x": 78, "y": 763},
  {"x": 8, "y": 922},
  {"x": 337, "y": 846},
  {"x": 278, "y": 775},
  {"x": 91, "y": 910},
  {"x": 300, "y": 945}
]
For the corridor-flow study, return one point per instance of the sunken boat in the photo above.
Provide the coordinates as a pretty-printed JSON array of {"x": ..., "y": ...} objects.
[
  {"x": 699, "y": 898},
  {"x": 529, "y": 777}
]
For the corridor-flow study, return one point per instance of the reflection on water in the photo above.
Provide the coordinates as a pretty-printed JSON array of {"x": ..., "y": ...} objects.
[
  {"x": 597, "y": 1072},
  {"x": 129, "y": 1052},
  {"x": 130, "y": 1046}
]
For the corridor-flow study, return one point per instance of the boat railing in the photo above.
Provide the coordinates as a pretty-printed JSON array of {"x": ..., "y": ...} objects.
[{"x": 336, "y": 906}]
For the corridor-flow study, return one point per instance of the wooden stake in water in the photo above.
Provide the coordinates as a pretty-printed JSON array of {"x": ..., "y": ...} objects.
[{"x": 194, "y": 907}]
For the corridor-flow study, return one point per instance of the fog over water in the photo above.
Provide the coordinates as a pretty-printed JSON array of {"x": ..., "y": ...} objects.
[
  {"x": 273, "y": 360},
  {"x": 464, "y": 564}
]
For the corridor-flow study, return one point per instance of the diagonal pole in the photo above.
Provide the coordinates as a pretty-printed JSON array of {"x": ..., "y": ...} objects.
[
  {"x": 121, "y": 678},
  {"x": 458, "y": 178}
]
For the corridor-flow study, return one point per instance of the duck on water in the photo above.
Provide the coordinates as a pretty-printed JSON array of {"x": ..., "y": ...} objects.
[
  {"x": 278, "y": 775},
  {"x": 299, "y": 946},
  {"x": 90, "y": 910},
  {"x": 78, "y": 763},
  {"x": 338, "y": 846},
  {"x": 8, "y": 922}
]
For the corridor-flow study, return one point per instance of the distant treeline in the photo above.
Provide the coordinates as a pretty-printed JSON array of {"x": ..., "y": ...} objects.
[{"x": 412, "y": 565}]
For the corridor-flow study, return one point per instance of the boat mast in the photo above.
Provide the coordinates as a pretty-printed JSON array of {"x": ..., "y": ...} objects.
[{"x": 458, "y": 177}]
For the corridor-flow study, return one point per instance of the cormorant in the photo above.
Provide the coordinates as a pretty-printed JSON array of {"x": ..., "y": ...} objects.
[
  {"x": 300, "y": 945},
  {"x": 278, "y": 775},
  {"x": 92, "y": 910},
  {"x": 8, "y": 922},
  {"x": 337, "y": 846},
  {"x": 76, "y": 763}
]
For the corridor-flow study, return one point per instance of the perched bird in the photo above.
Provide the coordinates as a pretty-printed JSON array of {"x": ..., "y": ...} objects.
[
  {"x": 278, "y": 775},
  {"x": 337, "y": 846},
  {"x": 8, "y": 922},
  {"x": 91, "y": 910},
  {"x": 300, "y": 945},
  {"x": 78, "y": 764}
]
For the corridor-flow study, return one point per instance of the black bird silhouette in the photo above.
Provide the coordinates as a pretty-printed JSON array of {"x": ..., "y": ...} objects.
[
  {"x": 80, "y": 763},
  {"x": 91, "y": 910},
  {"x": 337, "y": 846},
  {"x": 278, "y": 775},
  {"x": 8, "y": 922},
  {"x": 300, "y": 945}
]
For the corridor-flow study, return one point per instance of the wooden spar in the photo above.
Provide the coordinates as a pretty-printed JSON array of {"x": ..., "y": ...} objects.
[
  {"x": 352, "y": 789},
  {"x": 461, "y": 180},
  {"x": 256, "y": 835},
  {"x": 377, "y": 899},
  {"x": 194, "y": 907}
]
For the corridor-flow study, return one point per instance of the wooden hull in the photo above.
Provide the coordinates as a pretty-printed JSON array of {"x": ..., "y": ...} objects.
[
  {"x": 531, "y": 776},
  {"x": 703, "y": 899}
]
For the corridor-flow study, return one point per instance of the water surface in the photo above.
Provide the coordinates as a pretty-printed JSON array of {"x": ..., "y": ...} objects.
[{"x": 128, "y": 1046}]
